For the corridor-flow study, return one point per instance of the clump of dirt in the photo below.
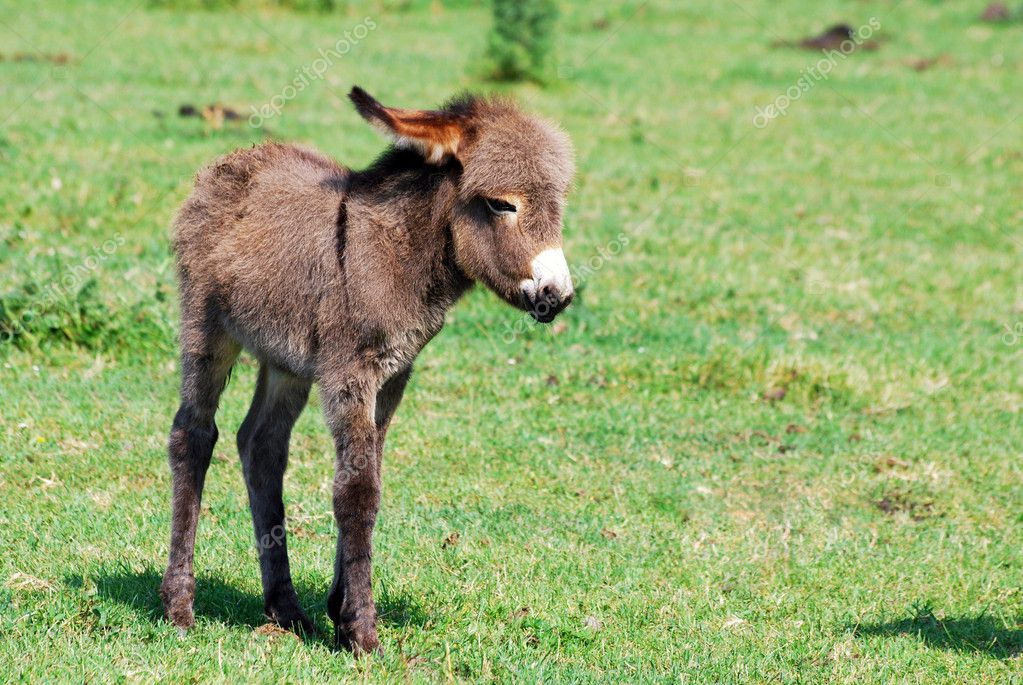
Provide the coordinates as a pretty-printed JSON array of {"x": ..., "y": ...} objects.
[
  {"x": 51, "y": 58},
  {"x": 917, "y": 507},
  {"x": 927, "y": 63},
  {"x": 996, "y": 13},
  {"x": 889, "y": 463},
  {"x": 214, "y": 114},
  {"x": 830, "y": 39},
  {"x": 837, "y": 37},
  {"x": 274, "y": 631}
]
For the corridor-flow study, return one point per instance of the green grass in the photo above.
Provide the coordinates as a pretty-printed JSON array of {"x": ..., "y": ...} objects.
[{"x": 628, "y": 504}]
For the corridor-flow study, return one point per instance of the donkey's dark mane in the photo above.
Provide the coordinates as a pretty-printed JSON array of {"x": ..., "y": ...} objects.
[{"x": 397, "y": 162}]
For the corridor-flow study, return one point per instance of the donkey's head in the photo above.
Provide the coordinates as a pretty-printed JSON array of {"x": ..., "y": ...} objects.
[{"x": 512, "y": 172}]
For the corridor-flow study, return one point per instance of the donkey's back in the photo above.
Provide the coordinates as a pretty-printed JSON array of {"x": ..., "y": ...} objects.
[{"x": 264, "y": 188}]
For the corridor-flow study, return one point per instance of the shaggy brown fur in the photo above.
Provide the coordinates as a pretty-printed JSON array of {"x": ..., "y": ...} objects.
[{"x": 340, "y": 277}]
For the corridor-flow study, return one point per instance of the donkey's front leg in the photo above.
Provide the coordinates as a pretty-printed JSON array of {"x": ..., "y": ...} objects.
[{"x": 350, "y": 407}]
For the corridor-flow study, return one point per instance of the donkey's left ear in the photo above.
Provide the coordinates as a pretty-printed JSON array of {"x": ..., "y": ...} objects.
[{"x": 437, "y": 135}]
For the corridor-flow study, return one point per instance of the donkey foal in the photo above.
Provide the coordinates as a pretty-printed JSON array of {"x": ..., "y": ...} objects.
[{"x": 341, "y": 277}]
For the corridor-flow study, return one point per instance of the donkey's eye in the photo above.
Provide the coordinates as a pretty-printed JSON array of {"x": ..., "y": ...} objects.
[{"x": 499, "y": 206}]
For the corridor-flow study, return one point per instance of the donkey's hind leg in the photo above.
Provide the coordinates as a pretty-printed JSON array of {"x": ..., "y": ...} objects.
[
  {"x": 207, "y": 355},
  {"x": 263, "y": 446}
]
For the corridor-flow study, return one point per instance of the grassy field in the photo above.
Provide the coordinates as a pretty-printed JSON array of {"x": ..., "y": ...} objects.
[{"x": 777, "y": 439}]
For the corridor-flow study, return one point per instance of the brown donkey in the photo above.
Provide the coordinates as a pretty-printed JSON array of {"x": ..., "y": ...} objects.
[{"x": 341, "y": 277}]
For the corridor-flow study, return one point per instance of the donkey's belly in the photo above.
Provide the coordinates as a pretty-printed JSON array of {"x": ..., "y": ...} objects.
[
  {"x": 292, "y": 351},
  {"x": 273, "y": 311}
]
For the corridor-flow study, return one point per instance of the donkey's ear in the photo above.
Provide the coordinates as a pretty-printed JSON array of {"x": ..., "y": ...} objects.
[{"x": 437, "y": 135}]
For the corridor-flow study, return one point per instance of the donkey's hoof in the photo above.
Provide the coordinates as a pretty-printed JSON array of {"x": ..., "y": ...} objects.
[
  {"x": 180, "y": 614},
  {"x": 367, "y": 644},
  {"x": 359, "y": 638},
  {"x": 177, "y": 593}
]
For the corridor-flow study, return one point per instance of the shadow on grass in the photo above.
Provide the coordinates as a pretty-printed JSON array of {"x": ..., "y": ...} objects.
[
  {"x": 980, "y": 635},
  {"x": 214, "y": 599},
  {"x": 400, "y": 609},
  {"x": 219, "y": 601}
]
